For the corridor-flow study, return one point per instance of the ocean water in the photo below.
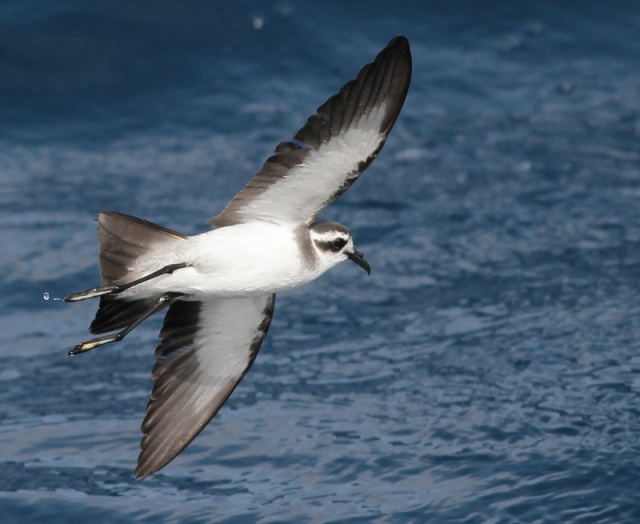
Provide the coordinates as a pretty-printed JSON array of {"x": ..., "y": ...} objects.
[{"x": 489, "y": 369}]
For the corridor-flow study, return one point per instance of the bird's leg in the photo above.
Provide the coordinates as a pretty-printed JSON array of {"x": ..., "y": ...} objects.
[
  {"x": 161, "y": 303},
  {"x": 108, "y": 290}
]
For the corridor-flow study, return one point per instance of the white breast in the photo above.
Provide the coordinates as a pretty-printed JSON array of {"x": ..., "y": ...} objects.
[{"x": 239, "y": 260}]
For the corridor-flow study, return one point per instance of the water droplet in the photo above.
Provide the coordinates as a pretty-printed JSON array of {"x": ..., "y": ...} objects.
[{"x": 46, "y": 295}]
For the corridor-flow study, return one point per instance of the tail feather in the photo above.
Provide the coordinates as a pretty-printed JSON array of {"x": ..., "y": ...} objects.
[
  {"x": 115, "y": 314},
  {"x": 122, "y": 239}
]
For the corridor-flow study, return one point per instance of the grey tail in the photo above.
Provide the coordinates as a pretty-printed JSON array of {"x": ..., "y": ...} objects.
[
  {"x": 115, "y": 314},
  {"x": 122, "y": 239}
]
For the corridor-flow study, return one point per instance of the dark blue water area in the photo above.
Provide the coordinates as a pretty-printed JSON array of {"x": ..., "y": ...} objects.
[{"x": 489, "y": 369}]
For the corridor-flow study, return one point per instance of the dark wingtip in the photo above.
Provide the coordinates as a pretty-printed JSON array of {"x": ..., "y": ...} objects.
[
  {"x": 399, "y": 47},
  {"x": 399, "y": 41},
  {"x": 141, "y": 475}
]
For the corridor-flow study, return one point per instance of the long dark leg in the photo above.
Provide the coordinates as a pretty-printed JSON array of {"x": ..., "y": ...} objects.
[
  {"x": 106, "y": 290},
  {"x": 161, "y": 303}
]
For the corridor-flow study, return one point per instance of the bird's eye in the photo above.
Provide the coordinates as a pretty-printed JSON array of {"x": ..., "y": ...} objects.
[{"x": 338, "y": 244}]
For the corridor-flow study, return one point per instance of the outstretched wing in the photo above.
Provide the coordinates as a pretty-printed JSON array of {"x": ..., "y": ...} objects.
[
  {"x": 331, "y": 150},
  {"x": 207, "y": 348}
]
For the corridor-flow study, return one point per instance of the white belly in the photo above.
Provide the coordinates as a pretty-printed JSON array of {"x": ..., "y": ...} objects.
[{"x": 240, "y": 260}]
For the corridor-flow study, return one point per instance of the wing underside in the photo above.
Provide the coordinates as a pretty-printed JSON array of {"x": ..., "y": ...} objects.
[
  {"x": 207, "y": 347},
  {"x": 331, "y": 150}
]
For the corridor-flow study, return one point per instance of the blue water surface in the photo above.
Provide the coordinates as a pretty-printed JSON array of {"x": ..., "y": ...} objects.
[{"x": 489, "y": 369}]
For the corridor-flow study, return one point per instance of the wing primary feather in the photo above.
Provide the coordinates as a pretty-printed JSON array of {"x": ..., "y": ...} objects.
[
  {"x": 206, "y": 350},
  {"x": 296, "y": 183}
]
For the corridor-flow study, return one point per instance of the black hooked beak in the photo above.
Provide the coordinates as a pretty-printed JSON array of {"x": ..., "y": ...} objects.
[{"x": 358, "y": 258}]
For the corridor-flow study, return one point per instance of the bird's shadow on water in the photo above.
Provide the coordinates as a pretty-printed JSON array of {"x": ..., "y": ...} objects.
[{"x": 102, "y": 481}]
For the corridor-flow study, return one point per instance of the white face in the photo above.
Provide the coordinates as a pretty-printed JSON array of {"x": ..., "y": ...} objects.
[{"x": 333, "y": 244}]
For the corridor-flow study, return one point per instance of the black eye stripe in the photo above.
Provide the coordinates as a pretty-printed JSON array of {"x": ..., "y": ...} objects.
[
  {"x": 339, "y": 243},
  {"x": 333, "y": 245}
]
